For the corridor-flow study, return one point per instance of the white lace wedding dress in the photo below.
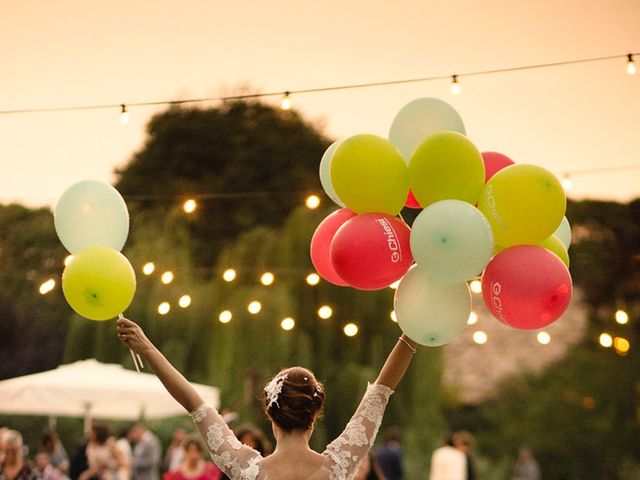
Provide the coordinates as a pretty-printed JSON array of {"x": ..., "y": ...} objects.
[{"x": 342, "y": 456}]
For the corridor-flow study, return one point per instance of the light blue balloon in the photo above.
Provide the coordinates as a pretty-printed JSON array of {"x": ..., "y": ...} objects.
[
  {"x": 325, "y": 173},
  {"x": 563, "y": 232},
  {"x": 90, "y": 214},
  {"x": 429, "y": 312},
  {"x": 420, "y": 118},
  {"x": 451, "y": 241}
]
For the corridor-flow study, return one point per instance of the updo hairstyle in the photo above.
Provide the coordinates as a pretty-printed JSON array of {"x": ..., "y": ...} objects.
[{"x": 299, "y": 401}]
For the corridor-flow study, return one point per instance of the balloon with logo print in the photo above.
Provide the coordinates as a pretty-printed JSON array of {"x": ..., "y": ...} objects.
[
  {"x": 325, "y": 173},
  {"x": 526, "y": 287},
  {"x": 371, "y": 251},
  {"x": 452, "y": 241},
  {"x": 369, "y": 175},
  {"x": 446, "y": 165},
  {"x": 420, "y": 118},
  {"x": 494, "y": 162},
  {"x": 429, "y": 312},
  {"x": 321, "y": 244},
  {"x": 524, "y": 204},
  {"x": 99, "y": 283}
]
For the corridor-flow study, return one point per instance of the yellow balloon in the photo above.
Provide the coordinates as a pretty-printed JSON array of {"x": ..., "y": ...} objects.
[
  {"x": 555, "y": 245},
  {"x": 446, "y": 165},
  {"x": 369, "y": 175},
  {"x": 524, "y": 205},
  {"x": 99, "y": 283}
]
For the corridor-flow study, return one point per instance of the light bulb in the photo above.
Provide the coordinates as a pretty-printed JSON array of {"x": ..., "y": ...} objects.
[
  {"x": 480, "y": 337},
  {"x": 622, "y": 317},
  {"x": 566, "y": 182},
  {"x": 473, "y": 318},
  {"x": 124, "y": 114},
  {"x": 631, "y": 66},
  {"x": 313, "y": 279},
  {"x": 225, "y": 316},
  {"x": 267, "y": 278},
  {"x": 229, "y": 275},
  {"x": 325, "y": 312},
  {"x": 286, "y": 102},
  {"x": 164, "y": 308},
  {"x": 455, "y": 86},
  {"x": 67, "y": 260},
  {"x": 185, "y": 301},
  {"x": 544, "y": 338},
  {"x": 189, "y": 206},
  {"x": 254, "y": 307},
  {"x": 605, "y": 340},
  {"x": 393, "y": 316},
  {"x": 47, "y": 286},
  {"x": 312, "y": 202},
  {"x": 476, "y": 286},
  {"x": 167, "y": 277},
  {"x": 287, "y": 323},
  {"x": 148, "y": 268},
  {"x": 350, "y": 329}
]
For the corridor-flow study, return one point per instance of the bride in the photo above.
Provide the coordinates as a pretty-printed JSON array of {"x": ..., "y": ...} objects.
[{"x": 292, "y": 401}]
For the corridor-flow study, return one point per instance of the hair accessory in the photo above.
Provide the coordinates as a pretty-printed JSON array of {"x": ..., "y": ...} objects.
[{"x": 273, "y": 389}]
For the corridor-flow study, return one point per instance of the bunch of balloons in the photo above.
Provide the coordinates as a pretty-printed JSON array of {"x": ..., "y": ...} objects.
[
  {"x": 481, "y": 215},
  {"x": 92, "y": 222}
]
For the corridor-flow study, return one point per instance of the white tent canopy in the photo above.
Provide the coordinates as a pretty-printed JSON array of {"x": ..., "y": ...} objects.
[{"x": 89, "y": 389}]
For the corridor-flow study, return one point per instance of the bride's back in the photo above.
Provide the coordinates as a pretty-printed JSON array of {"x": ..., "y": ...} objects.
[{"x": 311, "y": 465}]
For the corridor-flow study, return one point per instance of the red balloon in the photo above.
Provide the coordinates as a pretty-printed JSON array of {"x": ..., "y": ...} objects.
[
  {"x": 321, "y": 243},
  {"x": 526, "y": 287},
  {"x": 494, "y": 162},
  {"x": 411, "y": 201},
  {"x": 371, "y": 251}
]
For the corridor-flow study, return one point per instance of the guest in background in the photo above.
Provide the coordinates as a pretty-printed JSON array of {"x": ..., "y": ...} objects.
[
  {"x": 104, "y": 459},
  {"x": 123, "y": 445},
  {"x": 14, "y": 466},
  {"x": 194, "y": 467},
  {"x": 447, "y": 462},
  {"x": 175, "y": 452},
  {"x": 389, "y": 455},
  {"x": 369, "y": 469},
  {"x": 51, "y": 444},
  {"x": 46, "y": 470},
  {"x": 147, "y": 453},
  {"x": 463, "y": 441},
  {"x": 526, "y": 467}
]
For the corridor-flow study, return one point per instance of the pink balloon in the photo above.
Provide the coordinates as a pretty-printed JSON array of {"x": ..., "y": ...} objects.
[
  {"x": 371, "y": 251},
  {"x": 526, "y": 287},
  {"x": 411, "y": 201},
  {"x": 494, "y": 162},
  {"x": 321, "y": 243}
]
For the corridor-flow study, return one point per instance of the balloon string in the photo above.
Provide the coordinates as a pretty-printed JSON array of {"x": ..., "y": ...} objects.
[{"x": 137, "y": 361}]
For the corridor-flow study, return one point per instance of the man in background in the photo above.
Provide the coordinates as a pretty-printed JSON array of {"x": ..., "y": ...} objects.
[{"x": 147, "y": 453}]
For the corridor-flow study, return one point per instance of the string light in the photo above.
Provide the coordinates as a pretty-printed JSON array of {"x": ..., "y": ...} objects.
[
  {"x": 267, "y": 278},
  {"x": 148, "y": 268},
  {"x": 621, "y": 344},
  {"x": 393, "y": 316},
  {"x": 455, "y": 86},
  {"x": 189, "y": 206},
  {"x": 631, "y": 66},
  {"x": 167, "y": 277},
  {"x": 47, "y": 286},
  {"x": 184, "y": 301},
  {"x": 325, "y": 312},
  {"x": 254, "y": 307},
  {"x": 476, "y": 286},
  {"x": 480, "y": 337},
  {"x": 229, "y": 275},
  {"x": 544, "y": 338},
  {"x": 124, "y": 114},
  {"x": 566, "y": 182},
  {"x": 313, "y": 279},
  {"x": 225, "y": 316},
  {"x": 288, "y": 323},
  {"x": 286, "y": 101},
  {"x": 67, "y": 260},
  {"x": 605, "y": 340},
  {"x": 622, "y": 317},
  {"x": 164, "y": 308},
  {"x": 350, "y": 329},
  {"x": 473, "y": 318},
  {"x": 312, "y": 202}
]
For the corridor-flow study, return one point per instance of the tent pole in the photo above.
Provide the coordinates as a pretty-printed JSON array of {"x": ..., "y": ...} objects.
[{"x": 87, "y": 418}]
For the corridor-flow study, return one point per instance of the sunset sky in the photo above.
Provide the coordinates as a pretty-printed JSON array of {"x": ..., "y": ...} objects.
[{"x": 73, "y": 52}]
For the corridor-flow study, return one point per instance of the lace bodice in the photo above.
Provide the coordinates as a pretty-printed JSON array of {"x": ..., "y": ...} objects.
[{"x": 342, "y": 456}]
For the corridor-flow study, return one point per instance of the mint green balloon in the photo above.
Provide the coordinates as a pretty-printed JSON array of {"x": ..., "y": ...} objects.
[
  {"x": 451, "y": 241},
  {"x": 99, "y": 283},
  {"x": 325, "y": 173},
  {"x": 429, "y": 312},
  {"x": 446, "y": 165},
  {"x": 91, "y": 213},
  {"x": 420, "y": 118},
  {"x": 563, "y": 232}
]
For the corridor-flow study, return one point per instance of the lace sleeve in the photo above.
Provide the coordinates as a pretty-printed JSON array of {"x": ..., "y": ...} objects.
[
  {"x": 347, "y": 451},
  {"x": 237, "y": 461}
]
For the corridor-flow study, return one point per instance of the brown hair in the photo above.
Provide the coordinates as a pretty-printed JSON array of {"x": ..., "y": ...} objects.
[{"x": 298, "y": 403}]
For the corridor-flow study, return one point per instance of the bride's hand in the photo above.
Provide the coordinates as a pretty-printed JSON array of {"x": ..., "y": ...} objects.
[{"x": 132, "y": 336}]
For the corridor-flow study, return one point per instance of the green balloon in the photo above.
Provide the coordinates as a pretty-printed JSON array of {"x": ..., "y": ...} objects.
[
  {"x": 91, "y": 213},
  {"x": 563, "y": 232},
  {"x": 446, "y": 165},
  {"x": 429, "y": 312},
  {"x": 369, "y": 175},
  {"x": 420, "y": 118},
  {"x": 554, "y": 245},
  {"x": 451, "y": 241},
  {"x": 99, "y": 283}
]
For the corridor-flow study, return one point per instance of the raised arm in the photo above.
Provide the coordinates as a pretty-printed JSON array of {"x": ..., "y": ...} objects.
[
  {"x": 397, "y": 363},
  {"x": 134, "y": 338}
]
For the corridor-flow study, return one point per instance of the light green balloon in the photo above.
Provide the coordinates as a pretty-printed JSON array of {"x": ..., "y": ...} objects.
[
  {"x": 91, "y": 213},
  {"x": 325, "y": 173},
  {"x": 420, "y": 118},
  {"x": 99, "y": 283},
  {"x": 554, "y": 245},
  {"x": 451, "y": 241},
  {"x": 369, "y": 175},
  {"x": 429, "y": 312},
  {"x": 563, "y": 232},
  {"x": 446, "y": 165}
]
